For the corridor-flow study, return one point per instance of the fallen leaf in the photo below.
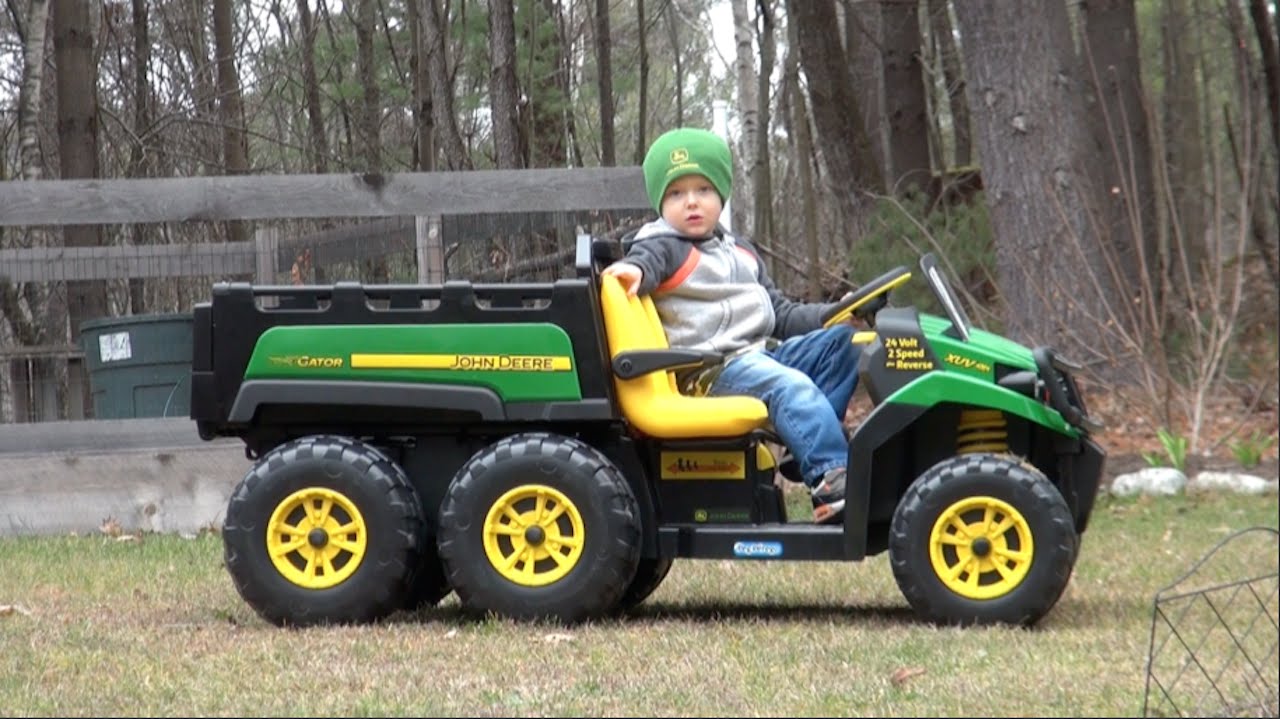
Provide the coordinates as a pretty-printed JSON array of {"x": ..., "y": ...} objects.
[{"x": 902, "y": 674}]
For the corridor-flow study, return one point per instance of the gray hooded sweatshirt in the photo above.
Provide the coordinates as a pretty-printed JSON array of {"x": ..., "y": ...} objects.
[{"x": 714, "y": 294}]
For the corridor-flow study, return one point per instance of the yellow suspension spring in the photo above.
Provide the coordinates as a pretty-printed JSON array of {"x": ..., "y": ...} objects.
[{"x": 982, "y": 430}]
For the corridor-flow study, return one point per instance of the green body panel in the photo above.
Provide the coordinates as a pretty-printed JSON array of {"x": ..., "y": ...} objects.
[
  {"x": 966, "y": 375},
  {"x": 326, "y": 352},
  {"x": 977, "y": 357},
  {"x": 958, "y": 388}
]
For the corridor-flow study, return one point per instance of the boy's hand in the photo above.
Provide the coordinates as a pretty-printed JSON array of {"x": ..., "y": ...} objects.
[{"x": 628, "y": 275}]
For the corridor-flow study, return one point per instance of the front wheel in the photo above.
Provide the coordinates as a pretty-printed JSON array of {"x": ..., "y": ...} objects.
[
  {"x": 649, "y": 574},
  {"x": 982, "y": 539}
]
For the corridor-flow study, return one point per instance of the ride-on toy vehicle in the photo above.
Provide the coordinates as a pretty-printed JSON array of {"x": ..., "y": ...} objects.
[{"x": 525, "y": 446}]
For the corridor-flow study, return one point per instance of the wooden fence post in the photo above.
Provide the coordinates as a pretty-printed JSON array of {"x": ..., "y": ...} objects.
[
  {"x": 266, "y": 242},
  {"x": 430, "y": 249}
]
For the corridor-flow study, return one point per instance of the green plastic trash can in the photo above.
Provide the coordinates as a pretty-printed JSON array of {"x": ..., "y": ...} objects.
[{"x": 139, "y": 365}]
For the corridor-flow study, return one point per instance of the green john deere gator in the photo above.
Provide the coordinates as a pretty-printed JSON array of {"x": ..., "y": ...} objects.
[{"x": 523, "y": 446}]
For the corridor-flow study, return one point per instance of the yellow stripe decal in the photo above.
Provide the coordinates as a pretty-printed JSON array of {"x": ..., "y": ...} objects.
[{"x": 465, "y": 363}]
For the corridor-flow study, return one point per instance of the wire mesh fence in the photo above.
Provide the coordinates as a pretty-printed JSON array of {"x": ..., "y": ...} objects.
[
  {"x": 1215, "y": 634},
  {"x": 48, "y": 291}
]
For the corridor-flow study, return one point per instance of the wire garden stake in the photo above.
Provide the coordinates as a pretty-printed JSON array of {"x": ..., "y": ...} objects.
[{"x": 1215, "y": 633}]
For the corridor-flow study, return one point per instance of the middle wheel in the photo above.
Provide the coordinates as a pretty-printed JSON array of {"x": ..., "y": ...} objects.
[{"x": 540, "y": 526}]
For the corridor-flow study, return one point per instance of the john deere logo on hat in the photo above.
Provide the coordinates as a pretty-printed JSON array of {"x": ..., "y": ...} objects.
[{"x": 679, "y": 156}]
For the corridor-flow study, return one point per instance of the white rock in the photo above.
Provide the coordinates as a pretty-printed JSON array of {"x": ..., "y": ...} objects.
[
  {"x": 1152, "y": 480},
  {"x": 1233, "y": 482}
]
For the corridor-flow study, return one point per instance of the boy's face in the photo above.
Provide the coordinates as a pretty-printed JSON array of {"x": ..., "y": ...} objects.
[{"x": 692, "y": 205}]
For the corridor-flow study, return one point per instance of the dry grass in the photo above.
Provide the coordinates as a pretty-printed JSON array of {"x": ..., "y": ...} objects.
[{"x": 96, "y": 626}]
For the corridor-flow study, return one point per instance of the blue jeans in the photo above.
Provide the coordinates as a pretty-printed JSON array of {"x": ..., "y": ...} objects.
[{"x": 806, "y": 382}]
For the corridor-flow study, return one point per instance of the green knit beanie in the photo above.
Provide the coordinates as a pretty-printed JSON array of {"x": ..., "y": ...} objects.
[{"x": 687, "y": 151}]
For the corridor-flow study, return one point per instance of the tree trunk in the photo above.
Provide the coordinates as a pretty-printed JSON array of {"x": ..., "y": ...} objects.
[
  {"x": 953, "y": 76},
  {"x": 140, "y": 151},
  {"x": 78, "y": 156},
  {"x": 604, "y": 83},
  {"x": 29, "y": 92},
  {"x": 905, "y": 113},
  {"x": 1033, "y": 140},
  {"x": 1127, "y": 203},
  {"x": 1184, "y": 137},
  {"x": 503, "y": 93},
  {"x": 1270, "y": 63},
  {"x": 311, "y": 87},
  {"x": 370, "y": 134},
  {"x": 642, "y": 89},
  {"x": 344, "y": 111},
  {"x": 1246, "y": 145},
  {"x": 744, "y": 169},
  {"x": 549, "y": 120},
  {"x": 235, "y": 153},
  {"x": 435, "y": 30},
  {"x": 803, "y": 157},
  {"x": 204, "y": 89},
  {"x": 846, "y": 151},
  {"x": 28, "y": 329},
  {"x": 673, "y": 32},
  {"x": 862, "y": 45},
  {"x": 762, "y": 173}
]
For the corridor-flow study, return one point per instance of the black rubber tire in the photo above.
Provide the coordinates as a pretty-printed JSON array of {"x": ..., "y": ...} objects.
[
  {"x": 650, "y": 572},
  {"x": 379, "y": 490},
  {"x": 1029, "y": 493},
  {"x": 594, "y": 487}
]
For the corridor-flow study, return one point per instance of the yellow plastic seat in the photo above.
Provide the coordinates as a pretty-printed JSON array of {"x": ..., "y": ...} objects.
[{"x": 652, "y": 403}]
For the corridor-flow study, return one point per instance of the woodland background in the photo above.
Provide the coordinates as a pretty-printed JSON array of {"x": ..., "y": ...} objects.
[{"x": 1101, "y": 174}]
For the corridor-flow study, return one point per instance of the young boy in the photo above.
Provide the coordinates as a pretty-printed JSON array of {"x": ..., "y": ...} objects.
[{"x": 711, "y": 292}]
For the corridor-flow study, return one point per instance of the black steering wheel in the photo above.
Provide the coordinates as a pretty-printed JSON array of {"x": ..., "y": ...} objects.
[{"x": 868, "y": 299}]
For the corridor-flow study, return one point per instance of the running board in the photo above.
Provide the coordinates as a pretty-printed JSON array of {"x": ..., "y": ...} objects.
[{"x": 793, "y": 541}]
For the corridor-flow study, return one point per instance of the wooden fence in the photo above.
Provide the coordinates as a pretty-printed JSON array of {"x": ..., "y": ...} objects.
[{"x": 408, "y": 210}]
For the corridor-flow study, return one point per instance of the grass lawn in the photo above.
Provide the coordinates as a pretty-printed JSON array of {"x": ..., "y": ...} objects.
[{"x": 99, "y": 625}]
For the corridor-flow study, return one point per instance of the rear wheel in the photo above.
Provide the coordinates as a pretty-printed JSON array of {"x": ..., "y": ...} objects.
[
  {"x": 323, "y": 530},
  {"x": 982, "y": 539},
  {"x": 539, "y": 526}
]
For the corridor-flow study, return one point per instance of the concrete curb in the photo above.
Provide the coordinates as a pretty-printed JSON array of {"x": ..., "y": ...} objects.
[{"x": 145, "y": 475}]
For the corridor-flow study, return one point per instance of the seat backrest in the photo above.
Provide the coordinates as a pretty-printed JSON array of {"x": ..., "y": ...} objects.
[
  {"x": 652, "y": 402},
  {"x": 632, "y": 324}
]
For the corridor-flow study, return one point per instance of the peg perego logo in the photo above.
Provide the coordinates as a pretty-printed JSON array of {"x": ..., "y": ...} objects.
[{"x": 759, "y": 550}]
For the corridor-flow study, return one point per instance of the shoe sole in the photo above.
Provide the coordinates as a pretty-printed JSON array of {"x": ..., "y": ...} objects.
[{"x": 827, "y": 513}]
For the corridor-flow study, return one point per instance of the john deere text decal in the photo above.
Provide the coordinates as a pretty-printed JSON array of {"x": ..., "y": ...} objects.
[{"x": 468, "y": 363}]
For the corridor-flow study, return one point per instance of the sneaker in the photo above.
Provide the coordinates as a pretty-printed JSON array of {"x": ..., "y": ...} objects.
[{"x": 828, "y": 497}]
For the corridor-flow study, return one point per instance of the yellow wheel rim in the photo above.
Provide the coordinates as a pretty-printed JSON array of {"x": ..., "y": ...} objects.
[
  {"x": 533, "y": 535},
  {"x": 316, "y": 538},
  {"x": 981, "y": 547}
]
